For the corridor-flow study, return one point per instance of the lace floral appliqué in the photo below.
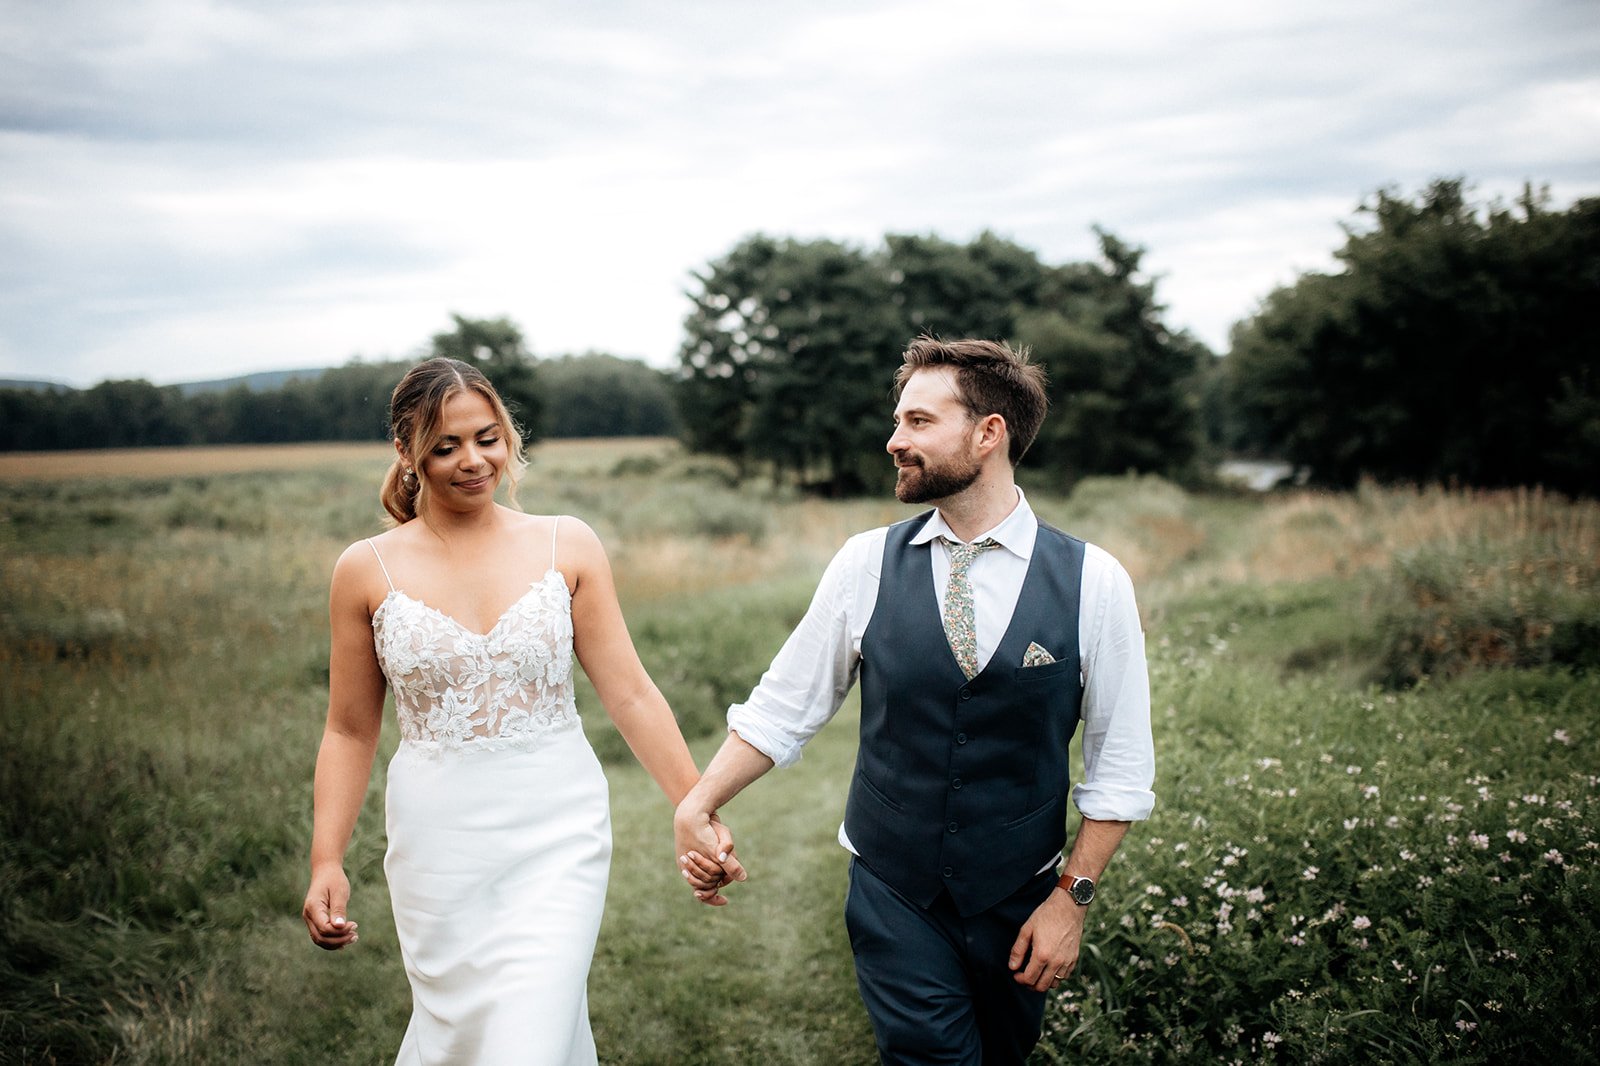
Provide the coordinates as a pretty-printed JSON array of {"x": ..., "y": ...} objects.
[{"x": 457, "y": 689}]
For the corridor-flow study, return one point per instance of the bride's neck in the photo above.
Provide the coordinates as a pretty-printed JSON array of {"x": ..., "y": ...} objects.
[{"x": 454, "y": 527}]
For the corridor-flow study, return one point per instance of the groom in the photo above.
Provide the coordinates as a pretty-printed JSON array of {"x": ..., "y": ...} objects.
[{"x": 981, "y": 637}]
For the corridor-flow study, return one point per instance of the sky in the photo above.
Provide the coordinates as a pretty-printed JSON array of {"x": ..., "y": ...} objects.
[{"x": 192, "y": 189}]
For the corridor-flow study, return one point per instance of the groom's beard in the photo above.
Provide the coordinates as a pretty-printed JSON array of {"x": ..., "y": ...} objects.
[{"x": 923, "y": 482}]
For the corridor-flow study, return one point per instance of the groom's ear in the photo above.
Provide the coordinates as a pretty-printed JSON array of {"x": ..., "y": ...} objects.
[{"x": 991, "y": 434}]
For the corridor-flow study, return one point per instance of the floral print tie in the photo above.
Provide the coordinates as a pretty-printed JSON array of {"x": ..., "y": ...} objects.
[{"x": 960, "y": 627}]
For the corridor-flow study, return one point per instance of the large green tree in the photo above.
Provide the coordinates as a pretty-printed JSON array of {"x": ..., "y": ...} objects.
[
  {"x": 496, "y": 346},
  {"x": 1456, "y": 344},
  {"x": 787, "y": 359},
  {"x": 792, "y": 345},
  {"x": 1123, "y": 387}
]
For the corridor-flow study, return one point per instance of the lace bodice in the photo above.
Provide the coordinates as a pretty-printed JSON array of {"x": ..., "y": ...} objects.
[{"x": 456, "y": 689}]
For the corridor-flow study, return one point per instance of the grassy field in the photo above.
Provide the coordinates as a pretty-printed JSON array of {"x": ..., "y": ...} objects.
[{"x": 1374, "y": 840}]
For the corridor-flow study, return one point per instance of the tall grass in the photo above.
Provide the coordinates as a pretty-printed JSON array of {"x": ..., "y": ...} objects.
[{"x": 1370, "y": 842}]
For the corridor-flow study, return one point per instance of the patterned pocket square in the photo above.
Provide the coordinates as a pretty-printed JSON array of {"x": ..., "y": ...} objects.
[{"x": 1037, "y": 656}]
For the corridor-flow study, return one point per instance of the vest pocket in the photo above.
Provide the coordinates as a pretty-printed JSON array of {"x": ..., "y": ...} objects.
[
  {"x": 1028, "y": 674},
  {"x": 878, "y": 794},
  {"x": 1037, "y": 812}
]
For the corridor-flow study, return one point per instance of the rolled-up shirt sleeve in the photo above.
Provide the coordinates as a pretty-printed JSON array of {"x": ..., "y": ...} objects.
[
  {"x": 808, "y": 680},
  {"x": 1118, "y": 754}
]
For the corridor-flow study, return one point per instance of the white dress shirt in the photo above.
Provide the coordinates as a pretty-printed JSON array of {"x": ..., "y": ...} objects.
[{"x": 806, "y": 684}]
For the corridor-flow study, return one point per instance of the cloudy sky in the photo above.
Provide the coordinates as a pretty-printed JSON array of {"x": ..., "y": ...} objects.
[{"x": 197, "y": 188}]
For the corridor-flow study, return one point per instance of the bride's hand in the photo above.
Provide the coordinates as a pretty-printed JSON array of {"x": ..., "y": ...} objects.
[
  {"x": 706, "y": 855},
  {"x": 324, "y": 912}
]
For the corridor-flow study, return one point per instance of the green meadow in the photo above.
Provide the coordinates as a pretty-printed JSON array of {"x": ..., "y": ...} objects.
[{"x": 1378, "y": 800}]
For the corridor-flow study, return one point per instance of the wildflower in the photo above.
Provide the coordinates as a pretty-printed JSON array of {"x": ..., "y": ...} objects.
[
  {"x": 1310, "y": 873},
  {"x": 1407, "y": 855},
  {"x": 1505, "y": 856},
  {"x": 1179, "y": 901},
  {"x": 1479, "y": 840},
  {"x": 1351, "y": 823},
  {"x": 1516, "y": 836},
  {"x": 1298, "y": 941},
  {"x": 1256, "y": 895},
  {"x": 1370, "y": 791},
  {"x": 1361, "y": 921},
  {"x": 1465, "y": 1026},
  {"x": 1424, "y": 881},
  {"x": 1554, "y": 858},
  {"x": 1153, "y": 890},
  {"x": 1560, "y": 737},
  {"x": 1352, "y": 769},
  {"x": 1393, "y": 821},
  {"x": 1271, "y": 1039}
]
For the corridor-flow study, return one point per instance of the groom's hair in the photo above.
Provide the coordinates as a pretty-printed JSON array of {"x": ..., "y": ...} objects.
[{"x": 992, "y": 378}]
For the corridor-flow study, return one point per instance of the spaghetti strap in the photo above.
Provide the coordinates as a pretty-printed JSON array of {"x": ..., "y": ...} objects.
[
  {"x": 553, "y": 531},
  {"x": 386, "y": 576}
]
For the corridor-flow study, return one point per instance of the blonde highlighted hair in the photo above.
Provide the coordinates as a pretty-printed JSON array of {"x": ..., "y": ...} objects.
[{"x": 415, "y": 410}]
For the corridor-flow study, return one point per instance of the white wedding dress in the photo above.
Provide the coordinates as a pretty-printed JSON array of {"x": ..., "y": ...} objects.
[{"x": 499, "y": 831}]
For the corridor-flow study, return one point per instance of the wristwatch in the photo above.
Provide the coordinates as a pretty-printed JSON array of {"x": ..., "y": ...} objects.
[{"x": 1081, "y": 889}]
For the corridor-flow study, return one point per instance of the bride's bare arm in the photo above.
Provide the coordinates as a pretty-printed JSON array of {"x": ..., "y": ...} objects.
[
  {"x": 635, "y": 704},
  {"x": 349, "y": 741}
]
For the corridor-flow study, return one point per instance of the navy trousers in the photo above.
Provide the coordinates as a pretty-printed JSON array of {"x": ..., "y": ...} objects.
[{"x": 937, "y": 986}]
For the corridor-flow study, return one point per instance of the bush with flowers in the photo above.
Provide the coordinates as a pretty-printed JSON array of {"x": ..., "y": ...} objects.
[{"x": 1338, "y": 873}]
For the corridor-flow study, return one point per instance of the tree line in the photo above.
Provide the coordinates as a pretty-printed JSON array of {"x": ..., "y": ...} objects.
[
  {"x": 1453, "y": 343},
  {"x": 589, "y": 395}
]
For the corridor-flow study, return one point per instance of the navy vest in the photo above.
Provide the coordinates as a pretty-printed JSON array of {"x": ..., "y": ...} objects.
[{"x": 962, "y": 785}]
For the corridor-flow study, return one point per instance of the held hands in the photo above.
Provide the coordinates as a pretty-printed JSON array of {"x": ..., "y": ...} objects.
[
  {"x": 324, "y": 910},
  {"x": 1046, "y": 951},
  {"x": 705, "y": 853}
]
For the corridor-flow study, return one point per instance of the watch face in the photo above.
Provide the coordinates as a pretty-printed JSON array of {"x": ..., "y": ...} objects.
[{"x": 1082, "y": 891}]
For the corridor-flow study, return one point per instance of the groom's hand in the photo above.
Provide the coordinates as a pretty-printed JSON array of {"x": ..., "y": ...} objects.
[{"x": 705, "y": 853}]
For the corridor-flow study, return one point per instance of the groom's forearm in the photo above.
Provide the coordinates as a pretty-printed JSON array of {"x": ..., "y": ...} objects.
[{"x": 736, "y": 764}]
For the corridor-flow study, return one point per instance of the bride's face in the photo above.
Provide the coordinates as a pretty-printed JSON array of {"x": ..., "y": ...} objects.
[{"x": 464, "y": 466}]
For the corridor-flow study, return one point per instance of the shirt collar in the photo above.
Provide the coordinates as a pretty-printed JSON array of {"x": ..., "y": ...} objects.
[{"x": 1016, "y": 532}]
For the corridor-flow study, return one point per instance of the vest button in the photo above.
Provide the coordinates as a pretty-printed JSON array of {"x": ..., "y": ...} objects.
[
  {"x": 966, "y": 693},
  {"x": 949, "y": 871},
  {"x": 961, "y": 738},
  {"x": 952, "y": 827},
  {"x": 956, "y": 784}
]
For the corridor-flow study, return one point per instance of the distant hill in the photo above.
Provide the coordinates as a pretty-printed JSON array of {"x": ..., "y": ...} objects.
[
  {"x": 36, "y": 386},
  {"x": 266, "y": 381}
]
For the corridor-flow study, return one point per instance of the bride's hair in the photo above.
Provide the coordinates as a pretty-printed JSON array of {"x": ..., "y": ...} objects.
[{"x": 414, "y": 413}]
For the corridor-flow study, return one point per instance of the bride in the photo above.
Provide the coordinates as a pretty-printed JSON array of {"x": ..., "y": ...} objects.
[{"x": 497, "y": 811}]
